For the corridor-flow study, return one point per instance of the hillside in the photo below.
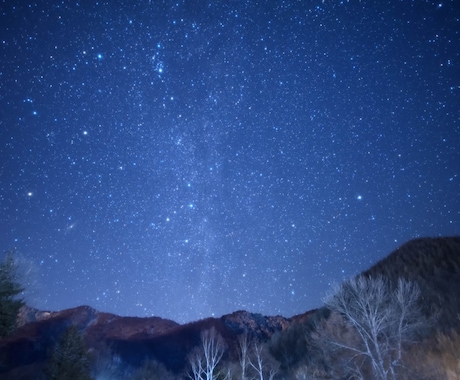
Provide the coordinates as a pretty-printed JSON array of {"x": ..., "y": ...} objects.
[
  {"x": 434, "y": 263},
  {"x": 131, "y": 339}
]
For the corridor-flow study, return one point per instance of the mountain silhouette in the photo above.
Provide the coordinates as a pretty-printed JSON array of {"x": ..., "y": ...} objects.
[{"x": 434, "y": 263}]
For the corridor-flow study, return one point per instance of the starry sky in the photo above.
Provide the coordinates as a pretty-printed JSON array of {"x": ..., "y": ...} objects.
[{"x": 187, "y": 159}]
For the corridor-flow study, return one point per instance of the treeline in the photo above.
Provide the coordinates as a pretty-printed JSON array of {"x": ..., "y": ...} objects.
[
  {"x": 398, "y": 320},
  {"x": 10, "y": 291},
  {"x": 365, "y": 331}
]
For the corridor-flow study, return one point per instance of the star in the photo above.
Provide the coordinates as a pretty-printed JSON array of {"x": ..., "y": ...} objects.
[{"x": 214, "y": 154}]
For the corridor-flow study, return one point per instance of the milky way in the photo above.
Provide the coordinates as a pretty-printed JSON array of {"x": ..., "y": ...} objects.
[{"x": 191, "y": 158}]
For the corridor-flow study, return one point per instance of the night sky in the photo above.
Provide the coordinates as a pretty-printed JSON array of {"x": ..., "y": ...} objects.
[{"x": 187, "y": 159}]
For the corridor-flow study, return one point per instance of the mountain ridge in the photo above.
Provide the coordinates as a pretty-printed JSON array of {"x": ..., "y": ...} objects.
[{"x": 433, "y": 262}]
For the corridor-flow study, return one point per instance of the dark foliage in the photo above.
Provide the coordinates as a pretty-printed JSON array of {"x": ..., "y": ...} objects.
[
  {"x": 69, "y": 359},
  {"x": 432, "y": 263},
  {"x": 296, "y": 343},
  {"x": 10, "y": 288},
  {"x": 152, "y": 370}
]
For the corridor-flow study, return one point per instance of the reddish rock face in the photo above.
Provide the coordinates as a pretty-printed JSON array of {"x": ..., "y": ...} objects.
[
  {"x": 26, "y": 350},
  {"x": 433, "y": 263},
  {"x": 131, "y": 338}
]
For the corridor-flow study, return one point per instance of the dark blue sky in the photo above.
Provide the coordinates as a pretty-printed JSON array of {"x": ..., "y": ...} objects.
[{"x": 192, "y": 158}]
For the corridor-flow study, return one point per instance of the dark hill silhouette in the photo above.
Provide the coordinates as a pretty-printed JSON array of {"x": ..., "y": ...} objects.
[
  {"x": 133, "y": 339},
  {"x": 30, "y": 344},
  {"x": 172, "y": 347},
  {"x": 433, "y": 263}
]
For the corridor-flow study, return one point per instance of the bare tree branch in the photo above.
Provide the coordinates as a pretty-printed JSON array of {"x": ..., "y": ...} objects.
[
  {"x": 383, "y": 320},
  {"x": 205, "y": 359}
]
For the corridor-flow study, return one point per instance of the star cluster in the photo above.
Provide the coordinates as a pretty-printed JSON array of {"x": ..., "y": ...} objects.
[{"x": 191, "y": 158}]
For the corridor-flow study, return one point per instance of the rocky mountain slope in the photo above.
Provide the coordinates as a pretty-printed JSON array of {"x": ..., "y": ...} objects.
[
  {"x": 132, "y": 339},
  {"x": 433, "y": 263}
]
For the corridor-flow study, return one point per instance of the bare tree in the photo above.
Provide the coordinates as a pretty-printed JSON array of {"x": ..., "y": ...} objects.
[
  {"x": 205, "y": 359},
  {"x": 243, "y": 355},
  {"x": 379, "y": 320},
  {"x": 264, "y": 365}
]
